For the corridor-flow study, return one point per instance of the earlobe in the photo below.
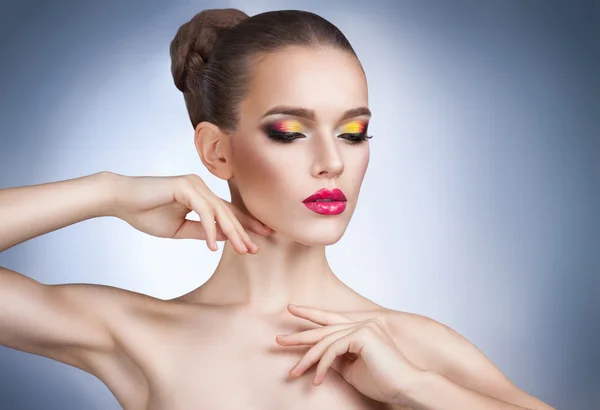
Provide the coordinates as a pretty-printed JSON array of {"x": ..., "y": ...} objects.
[{"x": 211, "y": 144}]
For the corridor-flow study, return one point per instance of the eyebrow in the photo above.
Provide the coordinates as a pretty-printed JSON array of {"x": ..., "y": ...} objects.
[{"x": 310, "y": 114}]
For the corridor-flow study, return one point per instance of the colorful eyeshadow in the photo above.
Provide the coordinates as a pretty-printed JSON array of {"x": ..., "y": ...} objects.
[
  {"x": 287, "y": 126},
  {"x": 354, "y": 127}
]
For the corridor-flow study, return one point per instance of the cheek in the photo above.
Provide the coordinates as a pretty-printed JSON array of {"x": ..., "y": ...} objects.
[
  {"x": 362, "y": 161},
  {"x": 356, "y": 168},
  {"x": 257, "y": 171},
  {"x": 356, "y": 161},
  {"x": 264, "y": 176}
]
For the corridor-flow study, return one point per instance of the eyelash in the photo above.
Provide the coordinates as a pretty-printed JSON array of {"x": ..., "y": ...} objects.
[{"x": 288, "y": 137}]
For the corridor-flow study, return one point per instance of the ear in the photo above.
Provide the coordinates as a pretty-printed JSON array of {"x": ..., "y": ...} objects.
[{"x": 212, "y": 145}]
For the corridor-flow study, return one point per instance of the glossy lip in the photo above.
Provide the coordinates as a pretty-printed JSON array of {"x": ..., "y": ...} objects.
[
  {"x": 333, "y": 194},
  {"x": 336, "y": 206},
  {"x": 326, "y": 208}
]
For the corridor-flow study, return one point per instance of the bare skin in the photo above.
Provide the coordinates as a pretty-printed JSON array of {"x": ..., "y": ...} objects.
[
  {"x": 194, "y": 350},
  {"x": 153, "y": 353},
  {"x": 215, "y": 347}
]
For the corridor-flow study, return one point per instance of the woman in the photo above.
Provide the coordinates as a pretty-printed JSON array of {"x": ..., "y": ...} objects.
[{"x": 279, "y": 106}]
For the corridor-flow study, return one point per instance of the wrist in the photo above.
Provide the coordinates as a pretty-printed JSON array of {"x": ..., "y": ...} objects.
[{"x": 110, "y": 184}]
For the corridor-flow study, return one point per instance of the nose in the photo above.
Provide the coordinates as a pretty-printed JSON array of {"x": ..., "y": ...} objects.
[{"x": 328, "y": 160}]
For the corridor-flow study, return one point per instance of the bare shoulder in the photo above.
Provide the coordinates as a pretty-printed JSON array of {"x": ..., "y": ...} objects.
[
  {"x": 129, "y": 319},
  {"x": 108, "y": 302},
  {"x": 424, "y": 340},
  {"x": 133, "y": 318},
  {"x": 436, "y": 347}
]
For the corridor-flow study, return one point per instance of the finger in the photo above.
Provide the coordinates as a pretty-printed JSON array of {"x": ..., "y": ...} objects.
[
  {"x": 252, "y": 247},
  {"x": 223, "y": 229},
  {"x": 313, "y": 355},
  {"x": 343, "y": 365},
  {"x": 321, "y": 317},
  {"x": 211, "y": 210},
  {"x": 245, "y": 237},
  {"x": 229, "y": 227},
  {"x": 251, "y": 223},
  {"x": 312, "y": 336},
  {"x": 259, "y": 228},
  {"x": 191, "y": 229},
  {"x": 220, "y": 234},
  {"x": 336, "y": 349},
  {"x": 207, "y": 219}
]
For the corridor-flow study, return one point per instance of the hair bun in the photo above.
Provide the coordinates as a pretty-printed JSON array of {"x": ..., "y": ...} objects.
[{"x": 191, "y": 48}]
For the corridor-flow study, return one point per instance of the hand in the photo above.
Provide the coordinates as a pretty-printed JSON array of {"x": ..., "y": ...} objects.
[
  {"x": 363, "y": 353},
  {"x": 158, "y": 206}
]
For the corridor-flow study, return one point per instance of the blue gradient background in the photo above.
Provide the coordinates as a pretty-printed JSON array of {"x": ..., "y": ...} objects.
[{"x": 487, "y": 140}]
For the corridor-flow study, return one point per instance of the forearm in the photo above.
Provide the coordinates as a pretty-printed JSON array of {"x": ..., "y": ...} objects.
[
  {"x": 30, "y": 211},
  {"x": 435, "y": 392}
]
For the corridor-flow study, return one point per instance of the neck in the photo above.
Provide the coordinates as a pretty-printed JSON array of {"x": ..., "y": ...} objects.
[{"x": 282, "y": 272}]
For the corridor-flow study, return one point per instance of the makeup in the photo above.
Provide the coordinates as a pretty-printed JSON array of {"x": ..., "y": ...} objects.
[
  {"x": 326, "y": 202},
  {"x": 286, "y": 131},
  {"x": 287, "y": 126},
  {"x": 354, "y": 127},
  {"x": 355, "y": 131}
]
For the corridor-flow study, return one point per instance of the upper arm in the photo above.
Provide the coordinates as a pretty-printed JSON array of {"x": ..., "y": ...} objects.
[
  {"x": 68, "y": 323},
  {"x": 460, "y": 361}
]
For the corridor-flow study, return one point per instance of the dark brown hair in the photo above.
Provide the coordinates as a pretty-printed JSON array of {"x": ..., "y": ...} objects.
[{"x": 212, "y": 55}]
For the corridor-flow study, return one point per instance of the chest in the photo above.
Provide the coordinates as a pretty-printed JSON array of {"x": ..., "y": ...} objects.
[
  {"x": 226, "y": 360},
  {"x": 247, "y": 373}
]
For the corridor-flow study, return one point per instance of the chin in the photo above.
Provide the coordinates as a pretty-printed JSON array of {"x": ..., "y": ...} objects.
[
  {"x": 306, "y": 228},
  {"x": 319, "y": 234}
]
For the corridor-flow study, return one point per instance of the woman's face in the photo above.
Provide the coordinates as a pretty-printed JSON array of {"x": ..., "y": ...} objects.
[{"x": 274, "y": 177}]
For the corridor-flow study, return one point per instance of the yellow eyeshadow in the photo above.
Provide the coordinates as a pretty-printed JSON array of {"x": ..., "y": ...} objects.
[{"x": 354, "y": 127}]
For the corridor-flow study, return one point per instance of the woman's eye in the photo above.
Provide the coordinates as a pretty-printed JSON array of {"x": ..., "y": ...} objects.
[
  {"x": 288, "y": 137},
  {"x": 356, "y": 137},
  {"x": 284, "y": 137}
]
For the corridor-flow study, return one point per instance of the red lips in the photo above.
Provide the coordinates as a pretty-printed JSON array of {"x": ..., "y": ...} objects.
[{"x": 333, "y": 194}]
